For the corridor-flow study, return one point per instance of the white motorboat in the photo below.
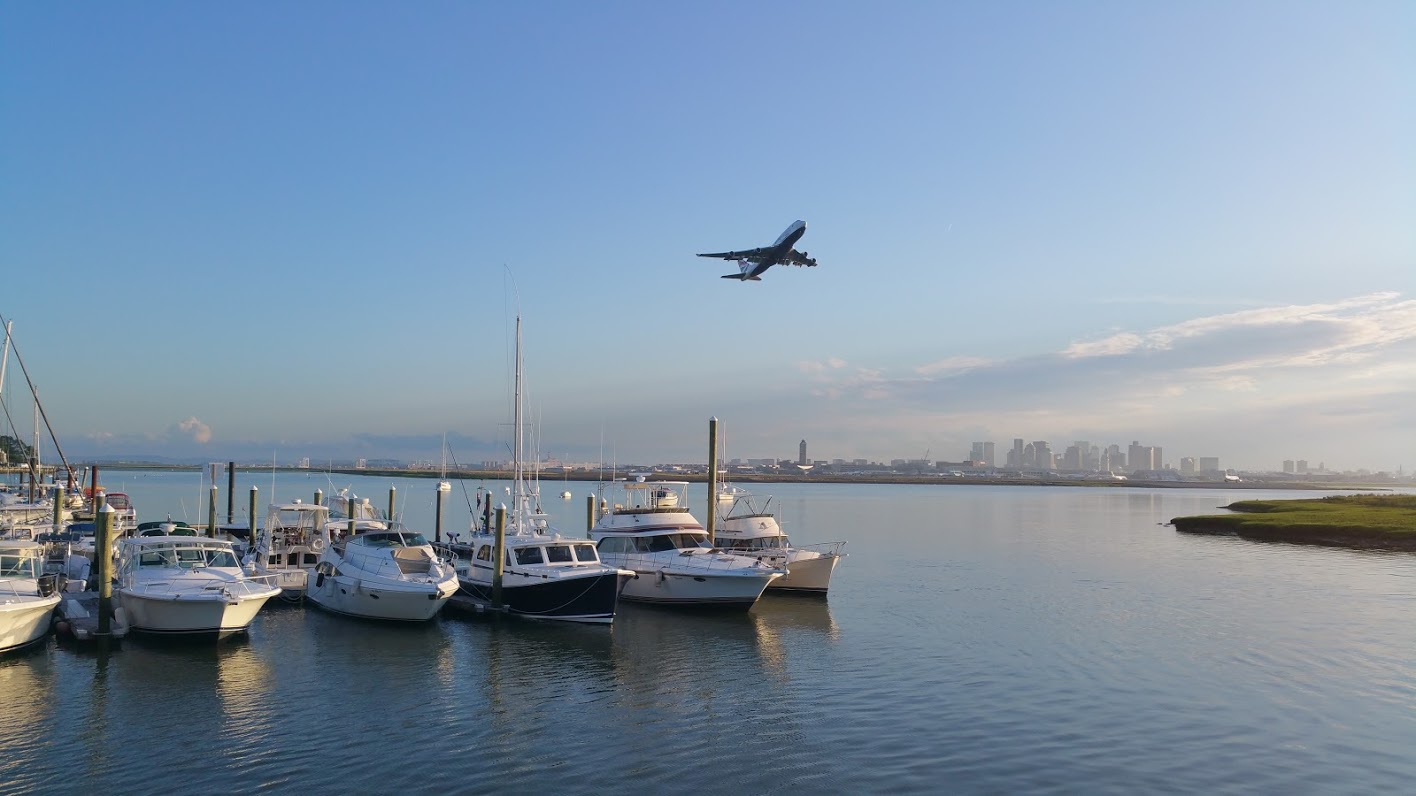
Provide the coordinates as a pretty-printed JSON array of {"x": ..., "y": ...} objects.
[
  {"x": 651, "y": 531},
  {"x": 746, "y": 531},
  {"x": 27, "y": 596},
  {"x": 187, "y": 585},
  {"x": 392, "y": 574},
  {"x": 290, "y": 544}
]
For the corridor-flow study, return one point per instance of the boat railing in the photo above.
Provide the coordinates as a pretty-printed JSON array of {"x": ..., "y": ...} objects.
[
  {"x": 715, "y": 561},
  {"x": 836, "y": 549},
  {"x": 232, "y": 588},
  {"x": 19, "y": 587}
]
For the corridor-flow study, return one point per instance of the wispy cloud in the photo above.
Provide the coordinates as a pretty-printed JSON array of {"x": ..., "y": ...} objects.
[{"x": 1233, "y": 370}]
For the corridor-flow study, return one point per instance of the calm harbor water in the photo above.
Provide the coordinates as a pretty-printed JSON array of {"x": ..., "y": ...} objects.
[{"x": 977, "y": 639}]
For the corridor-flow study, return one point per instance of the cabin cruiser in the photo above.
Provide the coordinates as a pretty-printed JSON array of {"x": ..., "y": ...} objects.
[
  {"x": 186, "y": 585},
  {"x": 392, "y": 574},
  {"x": 290, "y": 544},
  {"x": 27, "y": 596},
  {"x": 651, "y": 531},
  {"x": 544, "y": 575},
  {"x": 746, "y": 531}
]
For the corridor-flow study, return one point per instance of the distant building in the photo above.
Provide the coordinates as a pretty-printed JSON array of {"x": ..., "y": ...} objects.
[
  {"x": 982, "y": 452},
  {"x": 801, "y": 453},
  {"x": 360, "y": 464},
  {"x": 1209, "y": 464},
  {"x": 1016, "y": 459},
  {"x": 1187, "y": 465},
  {"x": 1302, "y": 466},
  {"x": 1042, "y": 455},
  {"x": 1288, "y": 466}
]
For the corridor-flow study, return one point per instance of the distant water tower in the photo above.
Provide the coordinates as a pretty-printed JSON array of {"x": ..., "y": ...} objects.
[{"x": 801, "y": 453}]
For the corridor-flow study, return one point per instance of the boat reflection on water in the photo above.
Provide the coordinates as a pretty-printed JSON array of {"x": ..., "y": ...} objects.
[
  {"x": 653, "y": 642},
  {"x": 26, "y": 710}
]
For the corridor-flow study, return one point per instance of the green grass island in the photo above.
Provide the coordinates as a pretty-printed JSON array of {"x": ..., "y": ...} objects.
[{"x": 1364, "y": 522}]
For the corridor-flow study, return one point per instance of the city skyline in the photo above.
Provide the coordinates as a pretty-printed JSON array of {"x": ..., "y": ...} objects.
[{"x": 250, "y": 232}]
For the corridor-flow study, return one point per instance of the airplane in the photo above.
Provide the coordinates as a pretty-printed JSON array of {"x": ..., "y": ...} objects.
[{"x": 752, "y": 262}]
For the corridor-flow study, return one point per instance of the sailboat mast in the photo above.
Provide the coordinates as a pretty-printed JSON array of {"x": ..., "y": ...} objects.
[
  {"x": 5, "y": 358},
  {"x": 516, "y": 421}
]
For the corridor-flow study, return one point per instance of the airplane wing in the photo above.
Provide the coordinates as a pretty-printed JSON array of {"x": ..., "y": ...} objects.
[
  {"x": 749, "y": 254},
  {"x": 795, "y": 257}
]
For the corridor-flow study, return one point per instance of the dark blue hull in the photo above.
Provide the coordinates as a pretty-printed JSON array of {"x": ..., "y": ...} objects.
[{"x": 587, "y": 599}]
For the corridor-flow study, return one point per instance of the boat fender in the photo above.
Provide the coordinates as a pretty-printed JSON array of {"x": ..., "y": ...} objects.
[
  {"x": 662, "y": 577},
  {"x": 317, "y": 544},
  {"x": 319, "y": 580}
]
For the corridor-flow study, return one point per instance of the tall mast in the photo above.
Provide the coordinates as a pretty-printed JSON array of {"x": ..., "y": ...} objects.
[
  {"x": 5, "y": 358},
  {"x": 517, "y": 451}
]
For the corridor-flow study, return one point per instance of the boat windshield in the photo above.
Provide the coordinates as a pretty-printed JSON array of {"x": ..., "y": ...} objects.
[
  {"x": 12, "y": 566},
  {"x": 669, "y": 541},
  {"x": 187, "y": 557},
  {"x": 390, "y": 539},
  {"x": 585, "y": 554}
]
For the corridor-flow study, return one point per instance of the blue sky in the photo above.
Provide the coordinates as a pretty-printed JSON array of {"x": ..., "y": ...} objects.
[{"x": 305, "y": 228}]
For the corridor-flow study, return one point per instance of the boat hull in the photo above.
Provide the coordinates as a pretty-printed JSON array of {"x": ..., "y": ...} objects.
[
  {"x": 590, "y": 599},
  {"x": 354, "y": 597},
  {"x": 701, "y": 589},
  {"x": 187, "y": 615},
  {"x": 807, "y": 575},
  {"x": 25, "y": 621}
]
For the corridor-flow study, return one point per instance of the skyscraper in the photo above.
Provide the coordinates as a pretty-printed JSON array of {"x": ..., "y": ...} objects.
[{"x": 801, "y": 453}]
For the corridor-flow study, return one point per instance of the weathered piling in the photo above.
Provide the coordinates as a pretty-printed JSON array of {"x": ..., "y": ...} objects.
[
  {"x": 58, "y": 508},
  {"x": 319, "y": 497},
  {"x": 230, "y": 492},
  {"x": 712, "y": 481},
  {"x": 251, "y": 522},
  {"x": 211, "y": 512},
  {"x": 589, "y": 514},
  {"x": 103, "y": 560},
  {"x": 499, "y": 553},
  {"x": 443, "y": 488},
  {"x": 392, "y": 502}
]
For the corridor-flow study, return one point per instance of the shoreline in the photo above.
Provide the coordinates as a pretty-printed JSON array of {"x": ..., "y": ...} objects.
[
  {"x": 1356, "y": 522},
  {"x": 598, "y": 476}
]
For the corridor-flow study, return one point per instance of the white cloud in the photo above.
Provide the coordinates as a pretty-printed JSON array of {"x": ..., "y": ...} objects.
[{"x": 195, "y": 429}]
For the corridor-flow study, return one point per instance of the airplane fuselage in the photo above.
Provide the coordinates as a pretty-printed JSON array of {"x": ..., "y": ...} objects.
[{"x": 784, "y": 244}]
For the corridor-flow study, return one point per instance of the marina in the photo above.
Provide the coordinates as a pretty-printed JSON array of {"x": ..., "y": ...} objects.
[{"x": 1030, "y": 636}]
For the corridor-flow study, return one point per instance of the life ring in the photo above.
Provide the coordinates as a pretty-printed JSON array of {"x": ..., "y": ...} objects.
[{"x": 317, "y": 544}]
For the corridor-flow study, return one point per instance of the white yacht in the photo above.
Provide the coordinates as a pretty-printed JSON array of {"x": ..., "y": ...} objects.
[
  {"x": 186, "y": 585},
  {"x": 27, "y": 596},
  {"x": 650, "y": 530},
  {"x": 290, "y": 544},
  {"x": 392, "y": 574},
  {"x": 746, "y": 531}
]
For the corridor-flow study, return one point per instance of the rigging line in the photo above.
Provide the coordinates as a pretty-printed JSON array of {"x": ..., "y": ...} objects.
[
  {"x": 462, "y": 483},
  {"x": 16, "y": 348}
]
